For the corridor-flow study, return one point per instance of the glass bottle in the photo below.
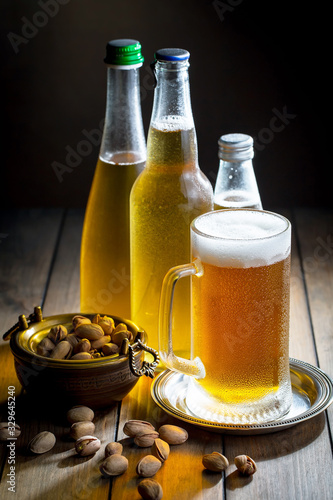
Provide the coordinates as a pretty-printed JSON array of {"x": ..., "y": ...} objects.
[
  {"x": 236, "y": 185},
  {"x": 166, "y": 197},
  {"x": 105, "y": 247}
]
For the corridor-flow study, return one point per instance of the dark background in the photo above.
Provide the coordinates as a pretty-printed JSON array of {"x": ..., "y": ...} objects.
[{"x": 250, "y": 61}]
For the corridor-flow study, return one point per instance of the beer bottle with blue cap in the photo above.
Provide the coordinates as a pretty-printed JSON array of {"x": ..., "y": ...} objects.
[
  {"x": 166, "y": 197},
  {"x": 105, "y": 247}
]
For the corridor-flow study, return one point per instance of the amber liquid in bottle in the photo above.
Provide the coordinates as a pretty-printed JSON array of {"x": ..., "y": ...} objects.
[
  {"x": 105, "y": 280},
  {"x": 165, "y": 198}
]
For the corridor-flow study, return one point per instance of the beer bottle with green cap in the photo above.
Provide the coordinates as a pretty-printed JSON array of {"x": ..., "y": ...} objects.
[
  {"x": 105, "y": 247},
  {"x": 166, "y": 197}
]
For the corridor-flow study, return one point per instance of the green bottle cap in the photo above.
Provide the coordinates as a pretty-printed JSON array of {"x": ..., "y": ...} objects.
[{"x": 123, "y": 52}]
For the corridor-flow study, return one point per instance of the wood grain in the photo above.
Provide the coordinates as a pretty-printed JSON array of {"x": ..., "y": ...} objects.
[{"x": 39, "y": 264}]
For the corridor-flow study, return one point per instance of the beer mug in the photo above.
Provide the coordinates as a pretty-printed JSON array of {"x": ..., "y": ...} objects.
[{"x": 239, "y": 363}]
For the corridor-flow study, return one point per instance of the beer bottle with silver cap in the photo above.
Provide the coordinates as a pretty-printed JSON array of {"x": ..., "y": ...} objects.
[{"x": 236, "y": 185}]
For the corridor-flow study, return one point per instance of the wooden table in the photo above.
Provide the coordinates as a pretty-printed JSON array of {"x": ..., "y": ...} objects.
[{"x": 39, "y": 265}]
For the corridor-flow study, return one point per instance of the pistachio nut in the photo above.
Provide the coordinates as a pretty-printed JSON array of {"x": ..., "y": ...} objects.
[
  {"x": 110, "y": 348},
  {"x": 148, "y": 466},
  {"x": 83, "y": 345},
  {"x": 215, "y": 462},
  {"x": 160, "y": 449},
  {"x": 80, "y": 413},
  {"x": 245, "y": 464},
  {"x": 42, "y": 442},
  {"x": 79, "y": 429},
  {"x": 97, "y": 344},
  {"x": 173, "y": 434},
  {"x": 80, "y": 320},
  {"x": 61, "y": 350},
  {"x": 118, "y": 337},
  {"x": 57, "y": 333},
  {"x": 149, "y": 489},
  {"x": 114, "y": 465},
  {"x": 114, "y": 448},
  {"x": 89, "y": 331},
  {"x": 107, "y": 324},
  {"x": 121, "y": 327},
  {"x": 73, "y": 339},
  {"x": 87, "y": 445},
  {"x": 45, "y": 346},
  {"x": 82, "y": 355},
  {"x": 134, "y": 427},
  {"x": 9, "y": 430},
  {"x": 146, "y": 438},
  {"x": 96, "y": 319}
]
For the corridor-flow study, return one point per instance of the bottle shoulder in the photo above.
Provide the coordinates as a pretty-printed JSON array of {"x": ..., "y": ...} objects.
[{"x": 171, "y": 186}]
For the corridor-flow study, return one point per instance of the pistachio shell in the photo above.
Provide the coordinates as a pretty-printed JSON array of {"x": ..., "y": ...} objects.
[
  {"x": 61, "y": 350},
  {"x": 160, "y": 449},
  {"x": 121, "y": 327},
  {"x": 82, "y": 355},
  {"x": 114, "y": 448},
  {"x": 80, "y": 413},
  {"x": 42, "y": 442},
  {"x": 215, "y": 462},
  {"x": 87, "y": 445},
  {"x": 107, "y": 324},
  {"x": 149, "y": 489},
  {"x": 148, "y": 466},
  {"x": 97, "y": 344},
  {"x": 57, "y": 333},
  {"x": 83, "y": 345},
  {"x": 173, "y": 434},
  {"x": 89, "y": 331},
  {"x": 9, "y": 430},
  {"x": 245, "y": 464},
  {"x": 114, "y": 465},
  {"x": 73, "y": 339},
  {"x": 146, "y": 439},
  {"x": 110, "y": 348},
  {"x": 80, "y": 320},
  {"x": 79, "y": 429},
  {"x": 134, "y": 427},
  {"x": 45, "y": 346},
  {"x": 118, "y": 337}
]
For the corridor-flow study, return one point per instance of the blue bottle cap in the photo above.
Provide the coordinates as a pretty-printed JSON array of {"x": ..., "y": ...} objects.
[{"x": 171, "y": 55}]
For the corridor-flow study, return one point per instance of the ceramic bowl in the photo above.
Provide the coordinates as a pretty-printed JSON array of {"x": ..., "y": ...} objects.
[{"x": 97, "y": 383}]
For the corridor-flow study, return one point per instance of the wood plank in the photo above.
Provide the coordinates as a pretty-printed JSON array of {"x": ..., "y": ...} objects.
[
  {"x": 26, "y": 254},
  {"x": 60, "y": 473},
  {"x": 63, "y": 293},
  {"x": 182, "y": 476},
  {"x": 292, "y": 448},
  {"x": 315, "y": 229},
  {"x": 27, "y": 243}
]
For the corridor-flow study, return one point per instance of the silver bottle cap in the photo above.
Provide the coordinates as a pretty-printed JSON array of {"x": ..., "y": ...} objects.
[{"x": 235, "y": 147}]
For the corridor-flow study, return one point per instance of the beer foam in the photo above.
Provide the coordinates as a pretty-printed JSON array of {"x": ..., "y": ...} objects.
[
  {"x": 172, "y": 123},
  {"x": 241, "y": 238}
]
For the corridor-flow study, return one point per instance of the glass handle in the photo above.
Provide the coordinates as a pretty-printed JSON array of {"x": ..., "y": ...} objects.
[{"x": 189, "y": 367}]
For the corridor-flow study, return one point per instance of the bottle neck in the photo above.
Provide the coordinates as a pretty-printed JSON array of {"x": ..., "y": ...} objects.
[
  {"x": 172, "y": 143},
  {"x": 172, "y": 102},
  {"x": 123, "y": 135}
]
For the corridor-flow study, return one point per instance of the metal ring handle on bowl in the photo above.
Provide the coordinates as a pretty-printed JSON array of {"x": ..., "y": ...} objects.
[{"x": 146, "y": 368}]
